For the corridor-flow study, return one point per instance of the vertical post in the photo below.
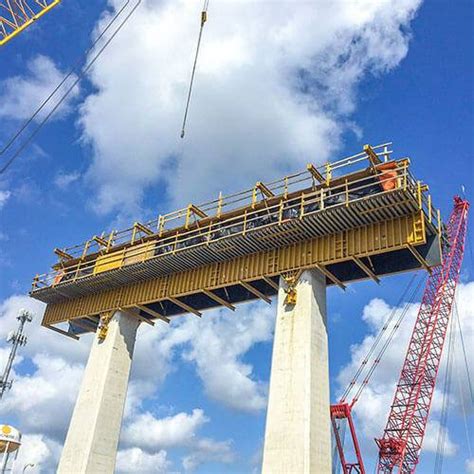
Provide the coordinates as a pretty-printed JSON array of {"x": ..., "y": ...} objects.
[
  {"x": 297, "y": 433},
  {"x": 93, "y": 435},
  {"x": 5, "y": 456}
]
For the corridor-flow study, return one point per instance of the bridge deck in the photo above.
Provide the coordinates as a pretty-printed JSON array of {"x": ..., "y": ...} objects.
[{"x": 361, "y": 224}]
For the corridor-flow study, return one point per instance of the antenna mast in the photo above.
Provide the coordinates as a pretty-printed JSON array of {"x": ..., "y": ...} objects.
[{"x": 17, "y": 339}]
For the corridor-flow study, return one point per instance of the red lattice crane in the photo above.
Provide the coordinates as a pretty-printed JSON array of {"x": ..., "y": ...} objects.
[{"x": 400, "y": 445}]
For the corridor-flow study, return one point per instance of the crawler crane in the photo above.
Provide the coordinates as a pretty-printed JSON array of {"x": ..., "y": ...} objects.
[{"x": 400, "y": 445}]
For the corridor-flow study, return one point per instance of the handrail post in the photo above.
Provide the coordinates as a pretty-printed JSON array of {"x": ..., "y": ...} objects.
[{"x": 219, "y": 205}]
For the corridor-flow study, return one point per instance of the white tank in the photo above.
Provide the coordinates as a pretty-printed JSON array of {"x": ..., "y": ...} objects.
[{"x": 10, "y": 439}]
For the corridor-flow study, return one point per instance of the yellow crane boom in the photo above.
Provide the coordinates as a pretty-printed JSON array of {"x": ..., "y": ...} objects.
[{"x": 17, "y": 15}]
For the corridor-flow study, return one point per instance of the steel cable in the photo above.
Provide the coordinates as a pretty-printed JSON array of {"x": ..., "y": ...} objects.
[
  {"x": 442, "y": 431},
  {"x": 193, "y": 72},
  {"x": 379, "y": 337},
  {"x": 84, "y": 71}
]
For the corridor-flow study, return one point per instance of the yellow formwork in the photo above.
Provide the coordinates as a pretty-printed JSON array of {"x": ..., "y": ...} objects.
[{"x": 373, "y": 239}]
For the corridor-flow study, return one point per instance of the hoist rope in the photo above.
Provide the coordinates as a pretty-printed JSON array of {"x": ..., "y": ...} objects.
[
  {"x": 466, "y": 365},
  {"x": 379, "y": 337},
  {"x": 464, "y": 410},
  {"x": 442, "y": 431},
  {"x": 33, "y": 134},
  {"x": 193, "y": 72}
]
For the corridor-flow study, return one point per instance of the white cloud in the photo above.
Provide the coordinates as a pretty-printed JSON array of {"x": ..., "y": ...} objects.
[
  {"x": 64, "y": 180},
  {"x": 148, "y": 432},
  {"x": 430, "y": 442},
  {"x": 21, "y": 95},
  {"x": 371, "y": 411},
  {"x": 4, "y": 196},
  {"x": 470, "y": 466},
  {"x": 153, "y": 435},
  {"x": 272, "y": 92},
  {"x": 56, "y": 365},
  {"x": 135, "y": 460},
  {"x": 217, "y": 345},
  {"x": 207, "y": 449},
  {"x": 38, "y": 450}
]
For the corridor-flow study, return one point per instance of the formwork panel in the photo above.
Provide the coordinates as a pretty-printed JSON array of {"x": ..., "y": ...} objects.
[{"x": 362, "y": 242}]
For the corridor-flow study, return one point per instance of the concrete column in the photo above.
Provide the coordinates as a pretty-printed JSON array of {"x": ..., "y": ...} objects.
[
  {"x": 297, "y": 434},
  {"x": 93, "y": 435}
]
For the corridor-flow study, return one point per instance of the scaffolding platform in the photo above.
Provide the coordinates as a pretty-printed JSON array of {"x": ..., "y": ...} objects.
[{"x": 360, "y": 217}]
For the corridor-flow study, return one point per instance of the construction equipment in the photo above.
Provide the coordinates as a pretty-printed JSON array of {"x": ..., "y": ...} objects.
[
  {"x": 17, "y": 15},
  {"x": 17, "y": 339},
  {"x": 193, "y": 71},
  {"x": 400, "y": 445}
]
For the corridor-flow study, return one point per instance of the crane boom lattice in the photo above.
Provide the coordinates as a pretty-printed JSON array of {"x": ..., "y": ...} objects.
[
  {"x": 16, "y": 15},
  {"x": 400, "y": 446}
]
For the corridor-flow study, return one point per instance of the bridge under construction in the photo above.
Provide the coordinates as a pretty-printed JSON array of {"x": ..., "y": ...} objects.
[{"x": 357, "y": 218}]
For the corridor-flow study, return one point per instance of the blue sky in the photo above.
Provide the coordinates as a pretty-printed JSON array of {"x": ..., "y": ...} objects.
[{"x": 398, "y": 72}]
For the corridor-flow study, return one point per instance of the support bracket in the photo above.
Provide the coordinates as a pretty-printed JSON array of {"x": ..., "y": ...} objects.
[
  {"x": 104, "y": 324},
  {"x": 291, "y": 280}
]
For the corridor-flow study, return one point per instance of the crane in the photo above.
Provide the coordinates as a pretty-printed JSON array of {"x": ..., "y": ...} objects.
[
  {"x": 400, "y": 445},
  {"x": 16, "y": 15}
]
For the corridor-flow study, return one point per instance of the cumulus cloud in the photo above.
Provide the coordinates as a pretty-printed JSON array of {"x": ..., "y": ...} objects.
[
  {"x": 272, "y": 92},
  {"x": 39, "y": 452},
  {"x": 178, "y": 430},
  {"x": 135, "y": 460},
  {"x": 56, "y": 365},
  {"x": 371, "y": 411},
  {"x": 217, "y": 345},
  {"x": 21, "y": 95},
  {"x": 207, "y": 449},
  {"x": 181, "y": 430}
]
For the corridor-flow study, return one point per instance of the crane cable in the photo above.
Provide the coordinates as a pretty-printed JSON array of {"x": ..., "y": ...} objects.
[
  {"x": 442, "y": 430},
  {"x": 377, "y": 340},
  {"x": 460, "y": 388},
  {"x": 193, "y": 72},
  {"x": 463, "y": 346},
  {"x": 464, "y": 411},
  {"x": 84, "y": 71}
]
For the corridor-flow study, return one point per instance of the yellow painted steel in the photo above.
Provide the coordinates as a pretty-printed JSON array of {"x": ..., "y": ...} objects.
[
  {"x": 14, "y": 27},
  {"x": 108, "y": 262},
  {"x": 373, "y": 239},
  {"x": 114, "y": 260}
]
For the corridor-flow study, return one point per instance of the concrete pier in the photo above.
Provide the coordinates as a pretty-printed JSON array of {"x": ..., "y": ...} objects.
[
  {"x": 93, "y": 435},
  {"x": 297, "y": 434}
]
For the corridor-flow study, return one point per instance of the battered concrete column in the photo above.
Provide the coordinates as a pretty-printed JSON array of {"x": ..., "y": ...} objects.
[
  {"x": 297, "y": 434},
  {"x": 92, "y": 438}
]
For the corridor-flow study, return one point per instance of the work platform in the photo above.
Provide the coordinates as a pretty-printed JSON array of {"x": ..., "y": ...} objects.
[{"x": 360, "y": 217}]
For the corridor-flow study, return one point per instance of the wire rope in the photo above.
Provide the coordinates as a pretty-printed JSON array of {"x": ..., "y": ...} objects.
[
  {"x": 463, "y": 346},
  {"x": 442, "y": 431},
  {"x": 61, "y": 83},
  {"x": 193, "y": 71},
  {"x": 30, "y": 138},
  {"x": 378, "y": 338}
]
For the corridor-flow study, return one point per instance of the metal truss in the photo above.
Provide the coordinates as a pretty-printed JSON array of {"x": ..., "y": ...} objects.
[
  {"x": 16, "y": 15},
  {"x": 400, "y": 446}
]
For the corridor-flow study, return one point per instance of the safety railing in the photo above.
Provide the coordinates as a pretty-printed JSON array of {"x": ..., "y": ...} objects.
[
  {"x": 279, "y": 210},
  {"x": 223, "y": 204}
]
